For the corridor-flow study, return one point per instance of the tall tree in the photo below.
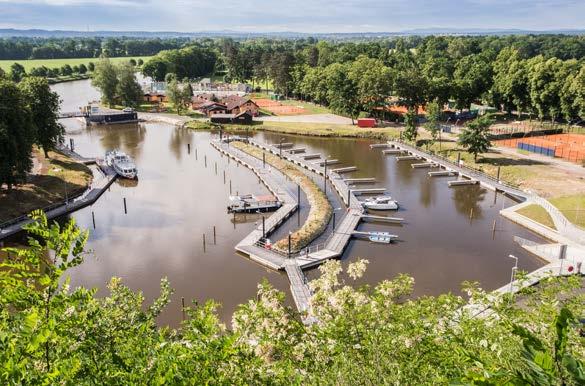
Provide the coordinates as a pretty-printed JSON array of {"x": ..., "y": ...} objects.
[
  {"x": 44, "y": 107},
  {"x": 17, "y": 135},
  {"x": 177, "y": 93},
  {"x": 105, "y": 78},
  {"x": 472, "y": 79},
  {"x": 342, "y": 92},
  {"x": 410, "y": 120},
  {"x": 17, "y": 72},
  {"x": 373, "y": 80},
  {"x": 128, "y": 90},
  {"x": 433, "y": 123},
  {"x": 475, "y": 136}
]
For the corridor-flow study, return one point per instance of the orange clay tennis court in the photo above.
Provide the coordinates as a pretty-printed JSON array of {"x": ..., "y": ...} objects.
[
  {"x": 568, "y": 146},
  {"x": 278, "y": 108}
]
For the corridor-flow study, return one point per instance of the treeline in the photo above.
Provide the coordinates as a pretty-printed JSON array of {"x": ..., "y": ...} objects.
[
  {"x": 510, "y": 73},
  {"x": 29, "y": 116},
  {"x": 189, "y": 62},
  {"x": 19, "y": 48}
]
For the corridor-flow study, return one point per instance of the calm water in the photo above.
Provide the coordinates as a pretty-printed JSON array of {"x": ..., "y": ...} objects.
[{"x": 177, "y": 200}]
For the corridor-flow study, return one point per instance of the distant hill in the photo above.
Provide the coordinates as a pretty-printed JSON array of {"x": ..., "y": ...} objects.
[{"x": 10, "y": 32}]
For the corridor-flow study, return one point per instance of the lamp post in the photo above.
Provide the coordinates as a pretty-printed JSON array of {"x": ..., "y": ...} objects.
[
  {"x": 325, "y": 175},
  {"x": 280, "y": 146},
  {"x": 334, "y": 210},
  {"x": 514, "y": 269},
  {"x": 289, "y": 242}
]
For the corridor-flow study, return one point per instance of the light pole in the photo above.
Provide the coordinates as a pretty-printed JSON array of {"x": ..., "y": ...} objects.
[
  {"x": 334, "y": 210},
  {"x": 325, "y": 175},
  {"x": 514, "y": 269},
  {"x": 289, "y": 242},
  {"x": 280, "y": 146}
]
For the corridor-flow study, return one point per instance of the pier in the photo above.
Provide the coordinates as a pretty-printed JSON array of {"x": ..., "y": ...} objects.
[
  {"x": 359, "y": 192},
  {"x": 102, "y": 179},
  {"x": 392, "y": 220},
  {"x": 357, "y": 181},
  {"x": 312, "y": 255},
  {"x": 424, "y": 165},
  {"x": 311, "y": 156},
  {"x": 345, "y": 170}
]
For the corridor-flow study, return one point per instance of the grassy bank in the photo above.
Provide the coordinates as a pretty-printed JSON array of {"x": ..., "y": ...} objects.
[
  {"x": 311, "y": 129},
  {"x": 54, "y": 63},
  {"x": 321, "y": 210},
  {"x": 537, "y": 213},
  {"x": 57, "y": 177}
]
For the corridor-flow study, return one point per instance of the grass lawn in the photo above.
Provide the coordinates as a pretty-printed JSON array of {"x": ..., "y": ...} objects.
[
  {"x": 53, "y": 63},
  {"x": 573, "y": 207},
  {"x": 537, "y": 213},
  {"x": 311, "y": 129},
  {"x": 311, "y": 108},
  {"x": 58, "y": 174}
]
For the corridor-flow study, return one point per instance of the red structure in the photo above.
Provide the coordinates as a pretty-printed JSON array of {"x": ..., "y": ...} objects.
[{"x": 366, "y": 122}]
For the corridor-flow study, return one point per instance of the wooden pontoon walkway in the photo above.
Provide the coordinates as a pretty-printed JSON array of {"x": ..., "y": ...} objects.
[
  {"x": 310, "y": 256},
  {"x": 98, "y": 186}
]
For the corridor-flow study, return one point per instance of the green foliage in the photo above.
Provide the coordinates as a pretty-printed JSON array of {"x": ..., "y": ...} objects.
[
  {"x": 44, "y": 107},
  {"x": 475, "y": 136},
  {"x": 105, "y": 78},
  {"x": 128, "y": 91},
  {"x": 433, "y": 123},
  {"x": 17, "y": 72},
  {"x": 17, "y": 134},
  {"x": 342, "y": 90},
  {"x": 179, "y": 94},
  {"x": 52, "y": 334},
  {"x": 410, "y": 130}
]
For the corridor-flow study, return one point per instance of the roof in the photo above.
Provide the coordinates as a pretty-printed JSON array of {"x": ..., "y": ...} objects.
[
  {"x": 212, "y": 105},
  {"x": 234, "y": 101}
]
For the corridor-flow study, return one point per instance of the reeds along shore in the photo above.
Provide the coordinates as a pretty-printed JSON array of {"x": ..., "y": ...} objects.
[{"x": 320, "y": 211}]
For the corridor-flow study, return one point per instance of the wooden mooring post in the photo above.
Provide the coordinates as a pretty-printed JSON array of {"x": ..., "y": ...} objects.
[
  {"x": 204, "y": 242},
  {"x": 224, "y": 177},
  {"x": 216, "y": 168},
  {"x": 214, "y": 236},
  {"x": 205, "y": 157},
  {"x": 183, "y": 307},
  {"x": 125, "y": 208},
  {"x": 231, "y": 187},
  {"x": 188, "y": 148},
  {"x": 93, "y": 218}
]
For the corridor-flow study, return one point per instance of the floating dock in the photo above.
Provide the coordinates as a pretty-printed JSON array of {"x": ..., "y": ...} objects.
[
  {"x": 379, "y": 145},
  {"x": 284, "y": 145},
  {"x": 311, "y": 156},
  {"x": 392, "y": 151},
  {"x": 327, "y": 162},
  {"x": 443, "y": 173},
  {"x": 359, "y": 180},
  {"x": 407, "y": 158},
  {"x": 345, "y": 170},
  {"x": 296, "y": 150},
  {"x": 392, "y": 220},
  {"x": 424, "y": 165},
  {"x": 463, "y": 182},
  {"x": 358, "y": 192}
]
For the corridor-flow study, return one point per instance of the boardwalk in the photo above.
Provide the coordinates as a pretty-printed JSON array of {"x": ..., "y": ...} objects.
[
  {"x": 310, "y": 256},
  {"x": 102, "y": 179}
]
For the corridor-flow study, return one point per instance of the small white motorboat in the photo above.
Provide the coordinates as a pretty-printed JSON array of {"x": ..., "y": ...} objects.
[
  {"x": 122, "y": 164},
  {"x": 381, "y": 237},
  {"x": 380, "y": 203}
]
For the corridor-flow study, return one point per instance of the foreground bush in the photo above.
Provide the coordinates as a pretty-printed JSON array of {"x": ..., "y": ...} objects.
[{"x": 52, "y": 334}]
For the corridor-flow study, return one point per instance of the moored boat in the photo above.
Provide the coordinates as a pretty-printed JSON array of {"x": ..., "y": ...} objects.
[
  {"x": 253, "y": 203},
  {"x": 122, "y": 164},
  {"x": 380, "y": 203}
]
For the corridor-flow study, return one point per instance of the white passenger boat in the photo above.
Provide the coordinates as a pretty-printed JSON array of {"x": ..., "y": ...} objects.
[
  {"x": 253, "y": 203},
  {"x": 380, "y": 203},
  {"x": 122, "y": 164}
]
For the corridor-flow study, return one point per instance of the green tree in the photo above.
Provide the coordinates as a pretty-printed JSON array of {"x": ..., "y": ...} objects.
[
  {"x": 17, "y": 72},
  {"x": 342, "y": 92},
  {"x": 128, "y": 89},
  {"x": 410, "y": 120},
  {"x": 75, "y": 69},
  {"x": 17, "y": 135},
  {"x": 140, "y": 62},
  {"x": 475, "y": 136},
  {"x": 156, "y": 68},
  {"x": 105, "y": 78},
  {"x": 82, "y": 69},
  {"x": 66, "y": 70},
  {"x": 433, "y": 123},
  {"x": 373, "y": 80},
  {"x": 472, "y": 79},
  {"x": 511, "y": 81},
  {"x": 178, "y": 94},
  {"x": 133, "y": 62},
  {"x": 44, "y": 107},
  {"x": 91, "y": 66}
]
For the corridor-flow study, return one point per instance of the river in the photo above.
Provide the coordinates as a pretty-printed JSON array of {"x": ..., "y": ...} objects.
[{"x": 177, "y": 199}]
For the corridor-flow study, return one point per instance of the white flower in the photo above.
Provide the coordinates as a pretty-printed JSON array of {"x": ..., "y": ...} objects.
[{"x": 356, "y": 270}]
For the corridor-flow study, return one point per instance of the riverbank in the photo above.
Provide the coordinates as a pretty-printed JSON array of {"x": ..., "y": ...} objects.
[
  {"x": 320, "y": 211},
  {"x": 306, "y": 128},
  {"x": 53, "y": 180}
]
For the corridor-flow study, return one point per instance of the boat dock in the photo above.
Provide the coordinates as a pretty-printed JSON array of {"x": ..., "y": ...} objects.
[
  {"x": 466, "y": 175},
  {"x": 310, "y": 256},
  {"x": 356, "y": 181},
  {"x": 359, "y": 192},
  {"x": 392, "y": 220},
  {"x": 311, "y": 156},
  {"x": 102, "y": 179},
  {"x": 347, "y": 169}
]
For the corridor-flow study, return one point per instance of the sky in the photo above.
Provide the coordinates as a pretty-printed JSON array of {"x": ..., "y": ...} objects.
[{"x": 309, "y": 16}]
